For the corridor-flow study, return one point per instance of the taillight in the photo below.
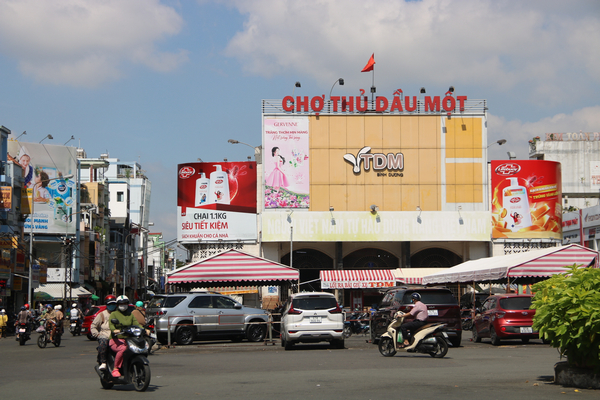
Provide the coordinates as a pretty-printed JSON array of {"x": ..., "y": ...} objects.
[
  {"x": 294, "y": 311},
  {"x": 159, "y": 313},
  {"x": 336, "y": 310}
]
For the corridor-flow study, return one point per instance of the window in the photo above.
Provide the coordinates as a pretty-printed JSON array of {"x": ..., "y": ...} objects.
[
  {"x": 120, "y": 196},
  {"x": 223, "y": 302},
  {"x": 516, "y": 303},
  {"x": 201, "y": 302},
  {"x": 314, "y": 303}
]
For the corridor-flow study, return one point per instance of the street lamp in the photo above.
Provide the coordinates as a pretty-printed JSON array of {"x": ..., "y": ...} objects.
[
  {"x": 499, "y": 142},
  {"x": 31, "y": 223},
  {"x": 47, "y": 137},
  {"x": 257, "y": 150}
]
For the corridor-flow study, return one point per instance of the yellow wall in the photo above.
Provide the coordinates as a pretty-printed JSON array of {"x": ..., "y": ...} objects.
[{"x": 423, "y": 142}]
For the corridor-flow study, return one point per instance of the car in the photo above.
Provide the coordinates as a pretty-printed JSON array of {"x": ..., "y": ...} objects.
[
  {"x": 88, "y": 318},
  {"x": 312, "y": 317},
  {"x": 441, "y": 307},
  {"x": 203, "y": 315},
  {"x": 505, "y": 316}
]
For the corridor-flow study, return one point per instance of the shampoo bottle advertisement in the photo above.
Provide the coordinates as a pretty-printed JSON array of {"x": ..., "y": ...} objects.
[{"x": 526, "y": 199}]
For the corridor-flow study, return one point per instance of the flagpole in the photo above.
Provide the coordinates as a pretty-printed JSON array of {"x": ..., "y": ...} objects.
[{"x": 373, "y": 87}]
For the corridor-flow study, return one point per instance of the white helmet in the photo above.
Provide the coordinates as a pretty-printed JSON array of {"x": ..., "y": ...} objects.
[
  {"x": 58, "y": 307},
  {"x": 123, "y": 299},
  {"x": 74, "y": 305}
]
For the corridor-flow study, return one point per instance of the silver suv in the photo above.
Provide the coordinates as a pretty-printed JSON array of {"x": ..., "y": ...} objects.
[{"x": 199, "y": 315}]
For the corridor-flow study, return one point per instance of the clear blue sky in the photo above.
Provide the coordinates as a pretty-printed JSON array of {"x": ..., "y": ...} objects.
[{"x": 167, "y": 82}]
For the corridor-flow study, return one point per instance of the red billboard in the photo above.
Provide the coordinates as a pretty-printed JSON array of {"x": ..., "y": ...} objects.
[
  {"x": 216, "y": 201},
  {"x": 526, "y": 199}
]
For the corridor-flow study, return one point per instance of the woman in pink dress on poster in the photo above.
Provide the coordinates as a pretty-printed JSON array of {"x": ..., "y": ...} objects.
[{"x": 277, "y": 178}]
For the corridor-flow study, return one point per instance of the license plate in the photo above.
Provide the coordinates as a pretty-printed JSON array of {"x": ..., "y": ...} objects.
[
  {"x": 153, "y": 335},
  {"x": 432, "y": 313},
  {"x": 526, "y": 329},
  {"x": 21, "y": 330},
  {"x": 315, "y": 320},
  {"x": 73, "y": 325}
]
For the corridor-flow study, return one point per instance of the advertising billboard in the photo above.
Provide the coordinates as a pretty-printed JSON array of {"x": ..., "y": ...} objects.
[
  {"x": 526, "y": 199},
  {"x": 286, "y": 162},
  {"x": 216, "y": 201},
  {"x": 51, "y": 198}
]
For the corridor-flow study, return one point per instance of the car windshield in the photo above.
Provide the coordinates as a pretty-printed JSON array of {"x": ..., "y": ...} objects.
[
  {"x": 432, "y": 297},
  {"x": 92, "y": 311},
  {"x": 165, "y": 302},
  {"x": 516, "y": 303},
  {"x": 314, "y": 303}
]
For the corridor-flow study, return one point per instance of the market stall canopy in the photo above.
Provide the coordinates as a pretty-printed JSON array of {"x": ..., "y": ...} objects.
[
  {"x": 357, "y": 279},
  {"x": 537, "y": 263},
  {"x": 55, "y": 291},
  {"x": 414, "y": 276},
  {"x": 233, "y": 266}
]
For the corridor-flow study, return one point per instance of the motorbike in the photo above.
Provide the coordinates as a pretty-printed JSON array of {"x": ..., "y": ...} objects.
[
  {"x": 150, "y": 337},
  {"x": 23, "y": 332},
  {"x": 429, "y": 339},
  {"x": 355, "y": 324},
  {"x": 75, "y": 327},
  {"x": 45, "y": 330},
  {"x": 136, "y": 367}
]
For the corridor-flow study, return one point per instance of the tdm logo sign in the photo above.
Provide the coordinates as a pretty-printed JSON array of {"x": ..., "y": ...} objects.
[{"x": 378, "y": 161}]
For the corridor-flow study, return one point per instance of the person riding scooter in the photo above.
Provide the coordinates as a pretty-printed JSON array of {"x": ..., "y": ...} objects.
[
  {"x": 117, "y": 343},
  {"x": 420, "y": 315}
]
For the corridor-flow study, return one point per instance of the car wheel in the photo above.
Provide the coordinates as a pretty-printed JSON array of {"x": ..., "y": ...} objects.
[
  {"x": 184, "y": 335},
  {"x": 525, "y": 340},
  {"x": 288, "y": 345},
  {"x": 476, "y": 337},
  {"x": 494, "y": 337},
  {"x": 256, "y": 333},
  {"x": 456, "y": 340}
]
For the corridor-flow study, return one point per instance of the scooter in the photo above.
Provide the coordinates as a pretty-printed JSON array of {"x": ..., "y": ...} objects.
[
  {"x": 354, "y": 324},
  {"x": 75, "y": 327},
  {"x": 136, "y": 367},
  {"x": 429, "y": 339},
  {"x": 23, "y": 332}
]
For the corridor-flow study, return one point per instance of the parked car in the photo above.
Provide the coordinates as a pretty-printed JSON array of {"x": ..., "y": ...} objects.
[
  {"x": 312, "y": 317},
  {"x": 506, "y": 316},
  {"x": 201, "y": 315},
  {"x": 88, "y": 318},
  {"x": 441, "y": 307}
]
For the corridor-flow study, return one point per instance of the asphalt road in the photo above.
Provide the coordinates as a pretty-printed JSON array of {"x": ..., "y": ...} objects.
[{"x": 227, "y": 370}]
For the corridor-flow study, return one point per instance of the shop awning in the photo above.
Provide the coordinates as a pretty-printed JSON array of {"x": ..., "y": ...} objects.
[
  {"x": 55, "y": 291},
  {"x": 537, "y": 263},
  {"x": 233, "y": 266},
  {"x": 357, "y": 279},
  {"x": 414, "y": 276}
]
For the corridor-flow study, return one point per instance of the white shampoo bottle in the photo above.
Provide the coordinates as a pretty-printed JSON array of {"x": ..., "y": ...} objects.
[
  {"x": 202, "y": 190},
  {"x": 219, "y": 187},
  {"x": 516, "y": 202}
]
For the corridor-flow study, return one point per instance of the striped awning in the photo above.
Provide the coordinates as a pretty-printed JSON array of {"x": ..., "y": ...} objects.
[
  {"x": 357, "y": 279},
  {"x": 414, "y": 276},
  {"x": 233, "y": 266},
  {"x": 537, "y": 263}
]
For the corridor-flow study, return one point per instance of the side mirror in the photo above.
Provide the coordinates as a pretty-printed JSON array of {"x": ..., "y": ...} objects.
[
  {"x": 237, "y": 306},
  {"x": 114, "y": 321}
]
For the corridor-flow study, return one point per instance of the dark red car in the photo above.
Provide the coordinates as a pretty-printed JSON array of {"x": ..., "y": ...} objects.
[
  {"x": 505, "y": 316},
  {"x": 88, "y": 318}
]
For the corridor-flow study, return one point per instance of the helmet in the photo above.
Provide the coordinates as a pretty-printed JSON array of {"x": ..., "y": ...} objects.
[
  {"x": 74, "y": 305},
  {"x": 139, "y": 304},
  {"x": 415, "y": 296},
  {"x": 22, "y": 308},
  {"x": 27, "y": 306},
  {"x": 58, "y": 307},
  {"x": 49, "y": 306},
  {"x": 123, "y": 299},
  {"x": 110, "y": 299}
]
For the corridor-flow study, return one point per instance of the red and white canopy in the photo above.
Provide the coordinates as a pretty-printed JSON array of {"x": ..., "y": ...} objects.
[
  {"x": 537, "y": 263},
  {"x": 233, "y": 266},
  {"x": 357, "y": 279},
  {"x": 414, "y": 276}
]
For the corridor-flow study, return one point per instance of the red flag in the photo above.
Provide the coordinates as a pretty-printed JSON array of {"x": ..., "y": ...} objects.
[{"x": 370, "y": 64}]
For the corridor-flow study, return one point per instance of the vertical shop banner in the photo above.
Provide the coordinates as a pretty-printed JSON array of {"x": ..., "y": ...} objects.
[
  {"x": 52, "y": 198},
  {"x": 216, "y": 201},
  {"x": 5, "y": 198},
  {"x": 526, "y": 199},
  {"x": 285, "y": 161}
]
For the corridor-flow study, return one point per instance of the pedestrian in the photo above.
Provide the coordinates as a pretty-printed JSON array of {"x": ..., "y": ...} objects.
[
  {"x": 100, "y": 328},
  {"x": 3, "y": 322},
  {"x": 117, "y": 343}
]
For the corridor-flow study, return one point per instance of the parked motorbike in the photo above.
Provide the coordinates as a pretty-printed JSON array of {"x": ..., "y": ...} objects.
[
  {"x": 136, "y": 367},
  {"x": 45, "y": 331},
  {"x": 23, "y": 332},
  {"x": 355, "y": 324},
  {"x": 75, "y": 327},
  {"x": 429, "y": 339},
  {"x": 466, "y": 319}
]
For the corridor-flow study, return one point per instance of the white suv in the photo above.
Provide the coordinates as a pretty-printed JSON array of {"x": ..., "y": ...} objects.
[{"x": 312, "y": 317}]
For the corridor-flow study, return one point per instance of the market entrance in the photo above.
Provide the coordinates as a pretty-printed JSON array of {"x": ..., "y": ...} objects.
[{"x": 309, "y": 262}]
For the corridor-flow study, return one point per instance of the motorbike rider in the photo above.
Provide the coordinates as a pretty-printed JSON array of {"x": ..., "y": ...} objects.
[
  {"x": 139, "y": 313},
  {"x": 419, "y": 315},
  {"x": 60, "y": 316},
  {"x": 24, "y": 317},
  {"x": 100, "y": 328},
  {"x": 117, "y": 343},
  {"x": 75, "y": 313},
  {"x": 3, "y": 321}
]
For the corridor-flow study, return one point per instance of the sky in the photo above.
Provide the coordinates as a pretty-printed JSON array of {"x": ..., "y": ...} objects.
[{"x": 168, "y": 82}]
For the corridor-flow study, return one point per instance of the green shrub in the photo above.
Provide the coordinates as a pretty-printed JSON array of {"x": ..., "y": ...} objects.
[{"x": 568, "y": 314}]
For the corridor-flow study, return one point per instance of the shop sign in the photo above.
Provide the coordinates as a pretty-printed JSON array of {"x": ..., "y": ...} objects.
[{"x": 377, "y": 161}]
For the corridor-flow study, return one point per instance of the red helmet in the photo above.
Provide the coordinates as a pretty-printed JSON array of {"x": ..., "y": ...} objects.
[
  {"x": 27, "y": 306},
  {"x": 109, "y": 298}
]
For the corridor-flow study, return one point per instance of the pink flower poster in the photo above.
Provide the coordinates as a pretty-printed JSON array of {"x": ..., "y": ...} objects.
[{"x": 285, "y": 162}]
